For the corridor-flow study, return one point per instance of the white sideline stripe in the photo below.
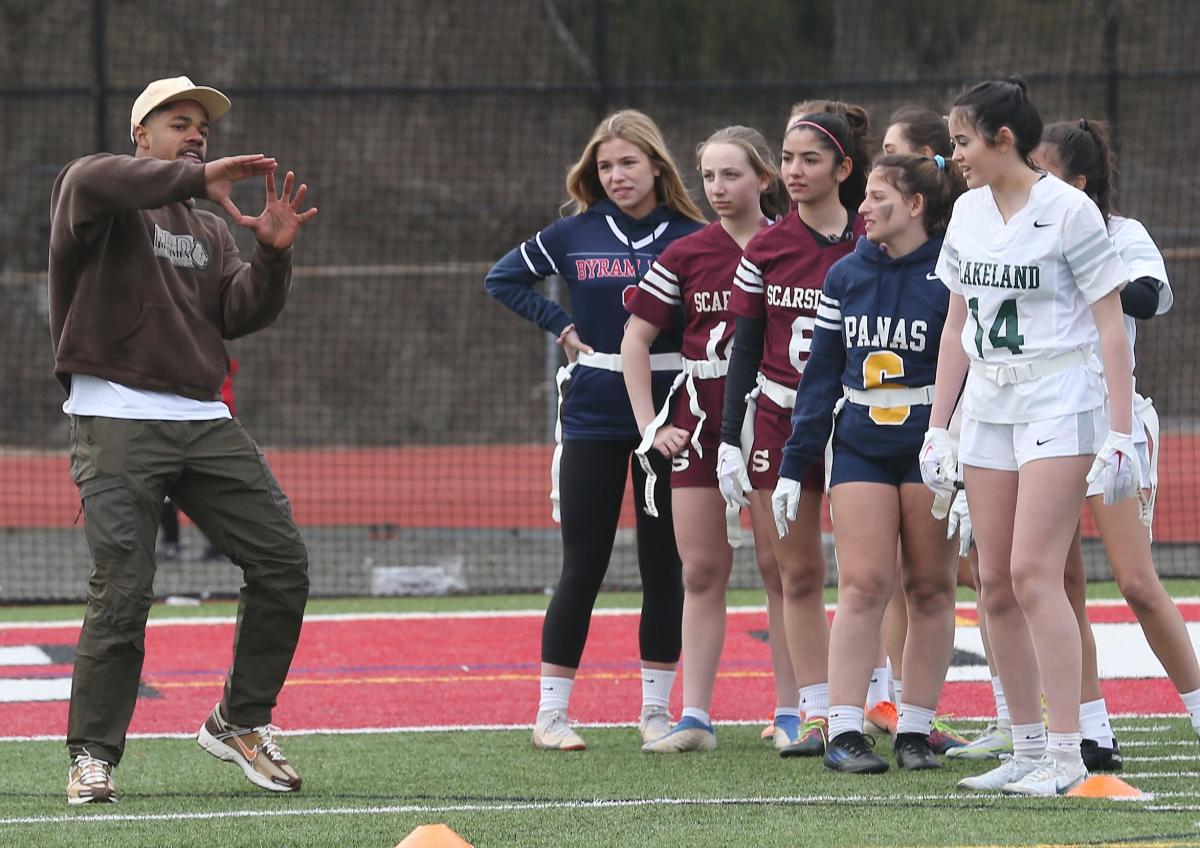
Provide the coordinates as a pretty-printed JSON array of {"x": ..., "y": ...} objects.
[
  {"x": 1184, "y": 743},
  {"x": 424, "y": 616},
  {"x": 454, "y": 728},
  {"x": 1166, "y": 758},
  {"x": 24, "y": 655},
  {"x": 1153, "y": 728},
  {"x": 598, "y": 804},
  {"x": 1158, "y": 775}
]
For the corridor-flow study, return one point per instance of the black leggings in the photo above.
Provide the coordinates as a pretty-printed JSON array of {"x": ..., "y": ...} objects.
[{"x": 592, "y": 478}]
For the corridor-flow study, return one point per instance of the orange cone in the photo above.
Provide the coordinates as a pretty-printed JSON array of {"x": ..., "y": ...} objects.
[
  {"x": 1105, "y": 786},
  {"x": 433, "y": 836}
]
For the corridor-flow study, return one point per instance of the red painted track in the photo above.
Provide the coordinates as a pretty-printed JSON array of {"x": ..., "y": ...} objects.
[
  {"x": 465, "y": 486},
  {"x": 449, "y": 671}
]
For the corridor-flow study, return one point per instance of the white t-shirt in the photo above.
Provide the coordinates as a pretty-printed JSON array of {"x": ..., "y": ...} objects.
[
  {"x": 1028, "y": 286},
  {"x": 1143, "y": 259},
  {"x": 96, "y": 396}
]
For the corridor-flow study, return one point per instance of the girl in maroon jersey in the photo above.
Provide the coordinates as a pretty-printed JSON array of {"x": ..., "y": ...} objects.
[
  {"x": 744, "y": 188},
  {"x": 779, "y": 279}
]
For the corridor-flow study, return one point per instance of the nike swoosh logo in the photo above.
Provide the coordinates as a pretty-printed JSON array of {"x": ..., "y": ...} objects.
[
  {"x": 248, "y": 753},
  {"x": 932, "y": 277},
  {"x": 1039, "y": 224},
  {"x": 1041, "y": 442}
]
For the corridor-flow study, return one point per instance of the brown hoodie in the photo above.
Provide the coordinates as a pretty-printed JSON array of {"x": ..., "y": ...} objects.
[{"x": 143, "y": 285}]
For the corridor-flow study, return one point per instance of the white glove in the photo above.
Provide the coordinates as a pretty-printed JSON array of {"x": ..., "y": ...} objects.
[
  {"x": 785, "y": 501},
  {"x": 1118, "y": 461},
  {"x": 960, "y": 519},
  {"x": 939, "y": 470},
  {"x": 732, "y": 477}
]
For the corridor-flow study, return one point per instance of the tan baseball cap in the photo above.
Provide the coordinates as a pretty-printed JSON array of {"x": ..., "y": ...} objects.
[{"x": 176, "y": 88}]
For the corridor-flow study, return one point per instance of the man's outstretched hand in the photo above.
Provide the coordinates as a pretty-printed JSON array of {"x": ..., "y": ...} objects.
[{"x": 281, "y": 219}]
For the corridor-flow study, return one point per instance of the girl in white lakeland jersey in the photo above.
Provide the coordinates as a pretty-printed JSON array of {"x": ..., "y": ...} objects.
[
  {"x": 775, "y": 297},
  {"x": 874, "y": 357},
  {"x": 742, "y": 183},
  {"x": 630, "y": 204},
  {"x": 1035, "y": 293},
  {"x": 1078, "y": 153}
]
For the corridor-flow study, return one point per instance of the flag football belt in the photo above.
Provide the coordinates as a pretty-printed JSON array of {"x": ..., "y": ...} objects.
[
  {"x": 1024, "y": 372},
  {"x": 604, "y": 362},
  {"x": 888, "y": 398},
  {"x": 1147, "y": 415},
  {"x": 693, "y": 369}
]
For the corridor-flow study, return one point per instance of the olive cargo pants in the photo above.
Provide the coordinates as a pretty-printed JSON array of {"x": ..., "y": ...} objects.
[{"x": 214, "y": 471}]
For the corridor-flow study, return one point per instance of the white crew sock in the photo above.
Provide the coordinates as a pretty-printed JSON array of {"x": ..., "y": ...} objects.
[
  {"x": 1093, "y": 723},
  {"x": 814, "y": 701},
  {"x": 1029, "y": 741},
  {"x": 1191, "y": 703},
  {"x": 1002, "y": 718},
  {"x": 879, "y": 690},
  {"x": 698, "y": 714},
  {"x": 1064, "y": 748},
  {"x": 656, "y": 687},
  {"x": 787, "y": 711},
  {"x": 843, "y": 718},
  {"x": 898, "y": 689},
  {"x": 556, "y": 694},
  {"x": 914, "y": 719}
]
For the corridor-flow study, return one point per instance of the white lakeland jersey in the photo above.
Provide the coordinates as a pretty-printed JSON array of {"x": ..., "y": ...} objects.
[
  {"x": 1028, "y": 285},
  {"x": 1141, "y": 256}
]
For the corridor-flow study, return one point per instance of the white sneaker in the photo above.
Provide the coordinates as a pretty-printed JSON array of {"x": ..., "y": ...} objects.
[
  {"x": 552, "y": 732},
  {"x": 1050, "y": 778},
  {"x": 689, "y": 735},
  {"x": 988, "y": 745},
  {"x": 654, "y": 724},
  {"x": 1010, "y": 770}
]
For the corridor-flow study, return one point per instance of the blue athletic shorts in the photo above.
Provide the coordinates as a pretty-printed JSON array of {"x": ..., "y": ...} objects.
[{"x": 851, "y": 467}]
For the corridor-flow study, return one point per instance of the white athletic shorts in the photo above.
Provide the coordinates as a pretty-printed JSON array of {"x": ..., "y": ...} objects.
[{"x": 1006, "y": 447}]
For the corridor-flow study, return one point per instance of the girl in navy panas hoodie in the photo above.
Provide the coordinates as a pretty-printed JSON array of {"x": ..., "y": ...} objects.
[{"x": 630, "y": 204}]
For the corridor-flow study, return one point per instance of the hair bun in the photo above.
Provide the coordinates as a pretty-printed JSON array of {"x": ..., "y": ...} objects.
[
  {"x": 1019, "y": 82},
  {"x": 1083, "y": 124}
]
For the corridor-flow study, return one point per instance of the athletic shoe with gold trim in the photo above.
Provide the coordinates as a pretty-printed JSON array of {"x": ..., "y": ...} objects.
[
  {"x": 253, "y": 749},
  {"x": 90, "y": 780}
]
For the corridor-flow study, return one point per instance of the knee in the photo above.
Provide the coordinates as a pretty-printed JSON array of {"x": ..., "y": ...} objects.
[
  {"x": 701, "y": 576},
  {"x": 928, "y": 594},
  {"x": 1030, "y": 585},
  {"x": 1141, "y": 591},
  {"x": 803, "y": 581},
  {"x": 997, "y": 593},
  {"x": 864, "y": 592}
]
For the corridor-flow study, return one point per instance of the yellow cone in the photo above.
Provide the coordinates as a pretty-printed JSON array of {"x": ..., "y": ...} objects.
[
  {"x": 433, "y": 836},
  {"x": 1105, "y": 786}
]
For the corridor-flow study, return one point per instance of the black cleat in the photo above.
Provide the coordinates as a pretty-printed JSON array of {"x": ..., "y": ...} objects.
[
  {"x": 850, "y": 752},
  {"x": 1101, "y": 759},
  {"x": 914, "y": 754}
]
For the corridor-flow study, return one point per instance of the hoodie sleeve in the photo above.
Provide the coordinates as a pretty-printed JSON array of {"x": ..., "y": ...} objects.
[
  {"x": 820, "y": 387},
  {"x": 511, "y": 280},
  {"x": 252, "y": 293},
  {"x": 94, "y": 189}
]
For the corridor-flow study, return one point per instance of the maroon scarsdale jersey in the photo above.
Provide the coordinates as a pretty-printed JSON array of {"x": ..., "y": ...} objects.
[
  {"x": 696, "y": 273},
  {"x": 779, "y": 280}
]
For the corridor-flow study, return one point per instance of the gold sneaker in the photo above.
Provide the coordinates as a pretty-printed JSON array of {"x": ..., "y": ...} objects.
[
  {"x": 90, "y": 780},
  {"x": 254, "y": 749}
]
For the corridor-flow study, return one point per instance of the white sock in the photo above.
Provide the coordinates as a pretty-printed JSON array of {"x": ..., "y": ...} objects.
[
  {"x": 656, "y": 687},
  {"x": 1064, "y": 748},
  {"x": 898, "y": 689},
  {"x": 843, "y": 718},
  {"x": 556, "y": 694},
  {"x": 814, "y": 701},
  {"x": 914, "y": 719},
  {"x": 1029, "y": 741},
  {"x": 698, "y": 714},
  {"x": 1002, "y": 718},
  {"x": 1093, "y": 723},
  {"x": 787, "y": 711},
  {"x": 1191, "y": 703},
  {"x": 879, "y": 690}
]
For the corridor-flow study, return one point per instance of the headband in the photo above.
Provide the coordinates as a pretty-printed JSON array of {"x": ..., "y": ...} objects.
[{"x": 832, "y": 137}]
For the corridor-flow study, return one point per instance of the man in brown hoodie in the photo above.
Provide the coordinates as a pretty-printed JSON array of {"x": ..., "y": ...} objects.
[{"x": 144, "y": 288}]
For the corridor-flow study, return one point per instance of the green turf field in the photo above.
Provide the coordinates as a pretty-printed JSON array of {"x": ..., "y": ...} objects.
[{"x": 372, "y": 790}]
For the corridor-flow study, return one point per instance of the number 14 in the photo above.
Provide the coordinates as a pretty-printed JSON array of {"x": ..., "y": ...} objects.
[{"x": 1006, "y": 321}]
